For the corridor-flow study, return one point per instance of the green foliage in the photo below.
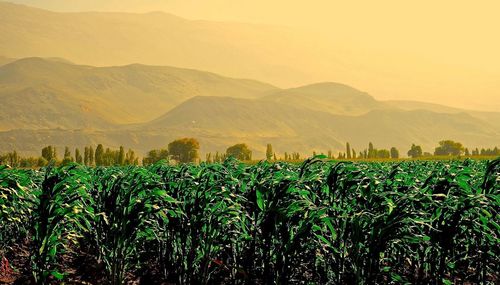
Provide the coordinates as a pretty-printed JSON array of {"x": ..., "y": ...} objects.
[
  {"x": 239, "y": 151},
  {"x": 16, "y": 204},
  {"x": 99, "y": 155},
  {"x": 269, "y": 151},
  {"x": 318, "y": 222},
  {"x": 415, "y": 151},
  {"x": 155, "y": 155},
  {"x": 78, "y": 156},
  {"x": 128, "y": 203},
  {"x": 348, "y": 150},
  {"x": 49, "y": 153},
  {"x": 184, "y": 150},
  {"x": 394, "y": 153},
  {"x": 11, "y": 158},
  {"x": 449, "y": 147},
  {"x": 61, "y": 211},
  {"x": 121, "y": 156},
  {"x": 383, "y": 153},
  {"x": 67, "y": 157}
]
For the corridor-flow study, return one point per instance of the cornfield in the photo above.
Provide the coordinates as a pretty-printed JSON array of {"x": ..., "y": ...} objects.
[{"x": 320, "y": 222}]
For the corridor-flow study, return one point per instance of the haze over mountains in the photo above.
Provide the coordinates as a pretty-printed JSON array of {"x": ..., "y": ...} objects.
[
  {"x": 48, "y": 97},
  {"x": 72, "y": 96},
  {"x": 156, "y": 38},
  {"x": 390, "y": 62},
  {"x": 51, "y": 101}
]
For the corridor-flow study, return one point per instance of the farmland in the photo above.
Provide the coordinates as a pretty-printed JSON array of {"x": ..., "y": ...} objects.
[{"x": 318, "y": 222}]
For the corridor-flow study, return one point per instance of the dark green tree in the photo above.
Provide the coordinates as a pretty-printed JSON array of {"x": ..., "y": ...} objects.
[
  {"x": 415, "y": 151},
  {"x": 13, "y": 159},
  {"x": 86, "y": 159},
  {"x": 269, "y": 151},
  {"x": 67, "y": 156},
  {"x": 383, "y": 153},
  {"x": 121, "y": 156},
  {"x": 184, "y": 150},
  {"x": 109, "y": 157},
  {"x": 78, "y": 156},
  {"x": 394, "y": 152},
  {"x": 91, "y": 156},
  {"x": 49, "y": 153},
  {"x": 239, "y": 151},
  {"x": 99, "y": 155},
  {"x": 348, "y": 150},
  {"x": 371, "y": 151},
  {"x": 449, "y": 147},
  {"x": 154, "y": 156},
  {"x": 130, "y": 158}
]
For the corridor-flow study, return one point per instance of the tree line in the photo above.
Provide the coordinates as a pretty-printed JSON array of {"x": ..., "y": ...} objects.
[
  {"x": 99, "y": 157},
  {"x": 187, "y": 150}
]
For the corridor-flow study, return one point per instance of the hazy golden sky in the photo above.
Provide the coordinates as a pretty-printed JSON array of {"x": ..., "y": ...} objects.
[{"x": 394, "y": 49}]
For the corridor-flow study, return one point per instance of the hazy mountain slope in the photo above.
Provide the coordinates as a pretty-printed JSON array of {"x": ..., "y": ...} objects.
[
  {"x": 415, "y": 105},
  {"x": 40, "y": 93},
  {"x": 272, "y": 54},
  {"x": 387, "y": 128},
  {"x": 50, "y": 101},
  {"x": 250, "y": 119},
  {"x": 219, "y": 122},
  {"x": 44, "y": 107},
  {"x": 490, "y": 118},
  {"x": 329, "y": 97}
]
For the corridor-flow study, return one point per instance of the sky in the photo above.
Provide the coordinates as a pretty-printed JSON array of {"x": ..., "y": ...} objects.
[{"x": 423, "y": 49}]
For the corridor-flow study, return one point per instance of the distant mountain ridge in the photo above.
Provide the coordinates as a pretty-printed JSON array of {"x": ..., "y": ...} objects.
[
  {"x": 157, "y": 38},
  {"x": 331, "y": 97},
  {"x": 50, "y": 101},
  {"x": 283, "y": 56},
  {"x": 35, "y": 89}
]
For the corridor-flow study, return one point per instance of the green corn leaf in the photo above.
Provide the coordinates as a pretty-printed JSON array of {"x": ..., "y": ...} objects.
[
  {"x": 57, "y": 275},
  {"x": 260, "y": 200}
]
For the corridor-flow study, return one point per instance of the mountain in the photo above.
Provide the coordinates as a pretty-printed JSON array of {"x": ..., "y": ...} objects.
[
  {"x": 218, "y": 122},
  {"x": 489, "y": 118},
  {"x": 43, "y": 93},
  {"x": 331, "y": 97},
  {"x": 282, "y": 56},
  {"x": 106, "y": 39},
  {"x": 52, "y": 101},
  {"x": 253, "y": 121},
  {"x": 292, "y": 127},
  {"x": 415, "y": 105},
  {"x": 402, "y": 128}
]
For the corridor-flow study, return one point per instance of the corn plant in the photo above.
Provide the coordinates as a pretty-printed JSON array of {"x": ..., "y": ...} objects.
[
  {"x": 15, "y": 206},
  {"x": 61, "y": 212},
  {"x": 204, "y": 239},
  {"x": 127, "y": 201},
  {"x": 320, "y": 222}
]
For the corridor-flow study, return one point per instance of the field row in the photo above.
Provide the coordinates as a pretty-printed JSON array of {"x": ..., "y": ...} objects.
[{"x": 319, "y": 222}]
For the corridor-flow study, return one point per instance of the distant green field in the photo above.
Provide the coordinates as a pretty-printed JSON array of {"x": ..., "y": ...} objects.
[
  {"x": 381, "y": 160},
  {"x": 313, "y": 222}
]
